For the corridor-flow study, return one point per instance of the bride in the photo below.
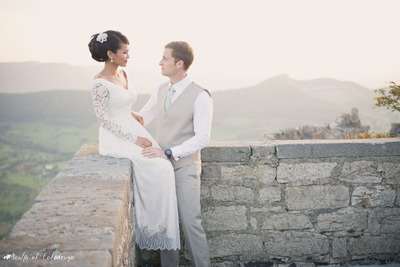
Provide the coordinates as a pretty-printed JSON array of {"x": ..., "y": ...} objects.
[{"x": 122, "y": 136}]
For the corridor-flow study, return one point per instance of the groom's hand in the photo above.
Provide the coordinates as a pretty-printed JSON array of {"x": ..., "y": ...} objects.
[
  {"x": 153, "y": 152},
  {"x": 138, "y": 118}
]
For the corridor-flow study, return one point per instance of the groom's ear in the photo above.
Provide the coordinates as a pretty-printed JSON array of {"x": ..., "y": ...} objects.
[{"x": 180, "y": 64}]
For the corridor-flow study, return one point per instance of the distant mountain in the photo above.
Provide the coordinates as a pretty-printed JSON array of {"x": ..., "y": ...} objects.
[
  {"x": 28, "y": 77},
  {"x": 241, "y": 114},
  {"x": 281, "y": 102}
]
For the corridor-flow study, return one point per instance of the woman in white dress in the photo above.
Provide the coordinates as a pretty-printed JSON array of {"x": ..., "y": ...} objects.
[{"x": 122, "y": 136}]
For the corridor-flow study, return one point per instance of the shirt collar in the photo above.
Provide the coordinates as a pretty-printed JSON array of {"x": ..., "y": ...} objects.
[{"x": 181, "y": 85}]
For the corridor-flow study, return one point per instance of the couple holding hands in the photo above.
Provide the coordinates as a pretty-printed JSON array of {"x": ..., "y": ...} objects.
[{"x": 167, "y": 171}]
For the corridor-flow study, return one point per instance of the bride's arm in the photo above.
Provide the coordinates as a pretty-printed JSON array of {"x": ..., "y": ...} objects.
[{"x": 101, "y": 97}]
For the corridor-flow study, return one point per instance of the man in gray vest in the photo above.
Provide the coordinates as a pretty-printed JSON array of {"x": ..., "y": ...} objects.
[{"x": 184, "y": 115}]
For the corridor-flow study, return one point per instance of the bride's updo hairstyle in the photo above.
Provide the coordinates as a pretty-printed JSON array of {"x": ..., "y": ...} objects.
[{"x": 100, "y": 43}]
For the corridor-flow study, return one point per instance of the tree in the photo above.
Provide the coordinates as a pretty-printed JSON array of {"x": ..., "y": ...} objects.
[{"x": 390, "y": 99}]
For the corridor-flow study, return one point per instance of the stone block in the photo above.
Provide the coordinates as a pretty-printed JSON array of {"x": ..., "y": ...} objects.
[
  {"x": 287, "y": 222},
  {"x": 337, "y": 148},
  {"x": 270, "y": 195},
  {"x": 317, "y": 197},
  {"x": 390, "y": 172},
  {"x": 367, "y": 245},
  {"x": 232, "y": 193},
  {"x": 237, "y": 173},
  {"x": 264, "y": 153},
  {"x": 204, "y": 192},
  {"x": 382, "y": 220},
  {"x": 235, "y": 245},
  {"x": 360, "y": 172},
  {"x": 391, "y": 225},
  {"x": 398, "y": 197},
  {"x": 267, "y": 174},
  {"x": 339, "y": 248},
  {"x": 343, "y": 220},
  {"x": 296, "y": 244},
  {"x": 373, "y": 196},
  {"x": 225, "y": 219},
  {"x": 226, "y": 152},
  {"x": 210, "y": 171},
  {"x": 305, "y": 173}
]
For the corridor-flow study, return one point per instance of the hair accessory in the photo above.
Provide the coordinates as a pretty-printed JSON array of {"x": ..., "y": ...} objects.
[{"x": 102, "y": 37}]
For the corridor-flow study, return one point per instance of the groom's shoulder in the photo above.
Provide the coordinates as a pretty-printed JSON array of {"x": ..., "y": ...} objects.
[{"x": 201, "y": 88}]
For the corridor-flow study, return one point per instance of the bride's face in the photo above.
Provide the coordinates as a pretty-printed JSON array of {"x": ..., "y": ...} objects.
[{"x": 121, "y": 57}]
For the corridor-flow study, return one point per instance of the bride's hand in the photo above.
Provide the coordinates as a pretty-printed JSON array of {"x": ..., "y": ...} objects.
[
  {"x": 143, "y": 142},
  {"x": 138, "y": 118}
]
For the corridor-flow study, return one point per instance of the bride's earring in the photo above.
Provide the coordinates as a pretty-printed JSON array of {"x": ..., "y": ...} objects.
[{"x": 112, "y": 60}]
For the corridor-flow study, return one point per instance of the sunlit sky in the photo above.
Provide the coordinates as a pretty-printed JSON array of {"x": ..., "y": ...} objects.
[{"x": 237, "y": 43}]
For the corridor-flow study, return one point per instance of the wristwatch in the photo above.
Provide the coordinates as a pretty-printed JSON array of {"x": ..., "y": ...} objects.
[{"x": 168, "y": 153}]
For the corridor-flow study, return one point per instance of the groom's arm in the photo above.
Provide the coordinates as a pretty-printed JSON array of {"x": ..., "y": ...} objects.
[{"x": 149, "y": 110}]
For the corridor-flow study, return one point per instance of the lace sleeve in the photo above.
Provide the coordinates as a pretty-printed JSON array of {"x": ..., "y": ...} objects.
[{"x": 101, "y": 97}]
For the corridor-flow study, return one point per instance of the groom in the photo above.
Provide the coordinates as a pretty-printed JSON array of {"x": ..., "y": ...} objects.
[{"x": 184, "y": 115}]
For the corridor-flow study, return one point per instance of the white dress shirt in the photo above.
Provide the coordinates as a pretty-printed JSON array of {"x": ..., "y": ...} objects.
[{"x": 202, "y": 118}]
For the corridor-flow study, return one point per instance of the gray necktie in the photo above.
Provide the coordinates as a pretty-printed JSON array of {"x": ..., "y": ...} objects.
[{"x": 169, "y": 98}]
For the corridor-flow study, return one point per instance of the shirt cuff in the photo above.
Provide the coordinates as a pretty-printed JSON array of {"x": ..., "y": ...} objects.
[{"x": 176, "y": 153}]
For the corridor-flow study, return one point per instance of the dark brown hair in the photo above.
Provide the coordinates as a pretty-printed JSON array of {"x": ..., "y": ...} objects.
[
  {"x": 113, "y": 43},
  {"x": 182, "y": 51}
]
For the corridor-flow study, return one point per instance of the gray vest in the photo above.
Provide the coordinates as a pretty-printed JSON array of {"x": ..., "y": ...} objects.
[{"x": 175, "y": 126}]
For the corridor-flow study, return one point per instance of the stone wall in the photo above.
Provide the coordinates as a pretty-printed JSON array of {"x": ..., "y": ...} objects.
[
  {"x": 264, "y": 204},
  {"x": 83, "y": 217},
  {"x": 309, "y": 202}
]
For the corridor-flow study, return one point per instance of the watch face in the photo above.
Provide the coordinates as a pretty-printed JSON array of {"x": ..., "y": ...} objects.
[{"x": 168, "y": 152}]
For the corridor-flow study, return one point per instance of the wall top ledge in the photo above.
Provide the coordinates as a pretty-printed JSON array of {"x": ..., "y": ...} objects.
[{"x": 290, "y": 149}]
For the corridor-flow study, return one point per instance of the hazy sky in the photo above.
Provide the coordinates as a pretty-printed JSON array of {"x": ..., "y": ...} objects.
[{"x": 236, "y": 43}]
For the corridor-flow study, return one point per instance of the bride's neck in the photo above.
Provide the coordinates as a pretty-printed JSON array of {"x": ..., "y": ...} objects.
[{"x": 110, "y": 69}]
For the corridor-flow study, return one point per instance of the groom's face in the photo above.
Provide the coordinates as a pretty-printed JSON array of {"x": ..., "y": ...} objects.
[{"x": 167, "y": 63}]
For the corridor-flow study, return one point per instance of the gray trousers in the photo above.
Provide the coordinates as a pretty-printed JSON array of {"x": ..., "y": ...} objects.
[{"x": 187, "y": 181}]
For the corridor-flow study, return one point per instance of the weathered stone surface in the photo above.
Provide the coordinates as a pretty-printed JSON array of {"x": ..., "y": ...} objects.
[
  {"x": 390, "y": 171},
  {"x": 268, "y": 174},
  {"x": 360, "y": 172},
  {"x": 235, "y": 173},
  {"x": 287, "y": 222},
  {"x": 391, "y": 225},
  {"x": 235, "y": 244},
  {"x": 210, "y": 171},
  {"x": 75, "y": 187},
  {"x": 343, "y": 220},
  {"x": 367, "y": 245},
  {"x": 398, "y": 197},
  {"x": 339, "y": 248},
  {"x": 317, "y": 197},
  {"x": 380, "y": 216},
  {"x": 305, "y": 173},
  {"x": 98, "y": 167},
  {"x": 296, "y": 244},
  {"x": 374, "y": 196},
  {"x": 232, "y": 193},
  {"x": 270, "y": 195},
  {"x": 225, "y": 218},
  {"x": 205, "y": 192}
]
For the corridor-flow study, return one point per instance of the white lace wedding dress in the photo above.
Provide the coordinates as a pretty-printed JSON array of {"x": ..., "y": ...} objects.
[{"x": 156, "y": 213}]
